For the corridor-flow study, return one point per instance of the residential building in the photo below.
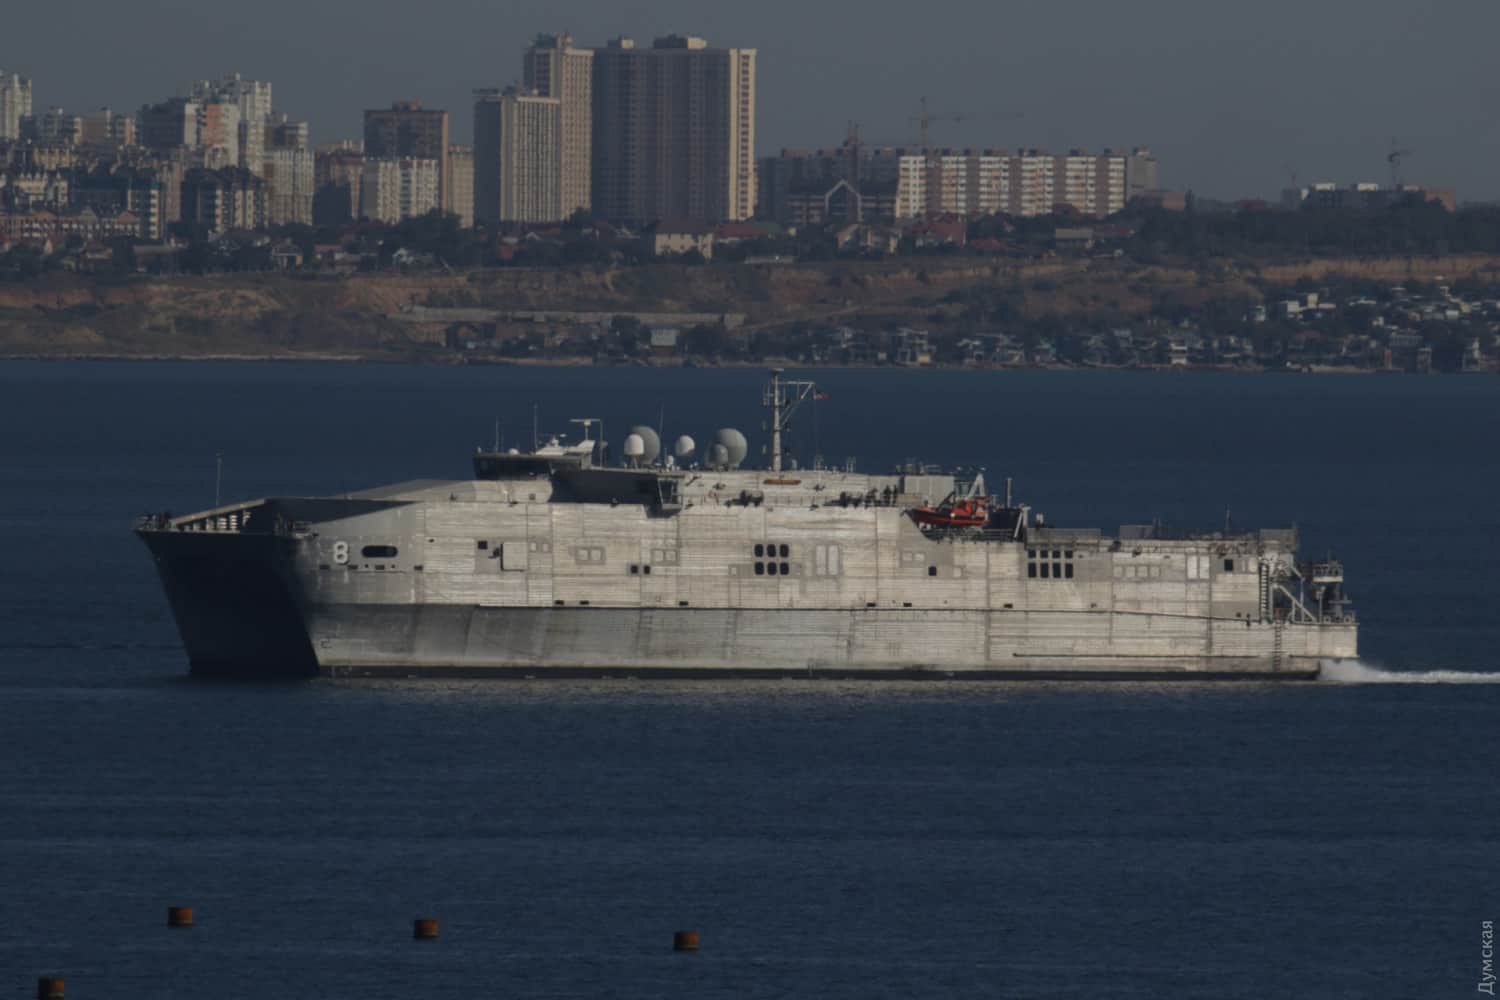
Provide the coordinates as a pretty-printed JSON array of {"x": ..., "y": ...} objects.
[
  {"x": 408, "y": 130},
  {"x": 1366, "y": 197},
  {"x": 1140, "y": 173},
  {"x": 219, "y": 135},
  {"x": 15, "y": 103},
  {"x": 53, "y": 127},
  {"x": 460, "y": 184},
  {"x": 281, "y": 132},
  {"x": 338, "y": 172},
  {"x": 673, "y": 130},
  {"x": 516, "y": 147},
  {"x": 1032, "y": 176},
  {"x": 252, "y": 102},
  {"x": 393, "y": 188},
  {"x": 168, "y": 125},
  {"x": 105, "y": 131},
  {"x": 141, "y": 191},
  {"x": 289, "y": 186},
  {"x": 554, "y": 68},
  {"x": 223, "y": 199},
  {"x": 679, "y": 236}
]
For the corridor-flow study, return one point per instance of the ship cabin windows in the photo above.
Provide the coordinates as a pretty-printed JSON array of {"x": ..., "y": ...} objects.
[
  {"x": 378, "y": 551},
  {"x": 588, "y": 554},
  {"x": 766, "y": 561},
  {"x": 1049, "y": 564},
  {"x": 640, "y": 569}
]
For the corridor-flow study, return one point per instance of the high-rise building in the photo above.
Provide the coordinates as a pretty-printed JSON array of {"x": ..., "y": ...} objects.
[
  {"x": 104, "y": 130},
  {"x": 1032, "y": 178},
  {"x": 460, "y": 184},
  {"x": 53, "y": 127},
  {"x": 221, "y": 200},
  {"x": 338, "y": 174},
  {"x": 219, "y": 135},
  {"x": 393, "y": 188},
  {"x": 283, "y": 133},
  {"x": 168, "y": 125},
  {"x": 516, "y": 146},
  {"x": 552, "y": 67},
  {"x": 1140, "y": 173},
  {"x": 406, "y": 129},
  {"x": 673, "y": 131},
  {"x": 15, "y": 103},
  {"x": 289, "y": 186},
  {"x": 252, "y": 99}
]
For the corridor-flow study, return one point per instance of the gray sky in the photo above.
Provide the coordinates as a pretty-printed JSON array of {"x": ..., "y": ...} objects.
[{"x": 1228, "y": 95}]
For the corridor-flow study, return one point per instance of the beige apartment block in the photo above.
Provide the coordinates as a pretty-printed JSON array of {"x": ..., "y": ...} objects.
[
  {"x": 674, "y": 131},
  {"x": 517, "y": 142},
  {"x": 460, "y": 184},
  {"x": 393, "y": 188},
  {"x": 553, "y": 67}
]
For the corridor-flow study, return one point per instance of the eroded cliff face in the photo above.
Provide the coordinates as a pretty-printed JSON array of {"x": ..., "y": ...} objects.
[{"x": 366, "y": 316}]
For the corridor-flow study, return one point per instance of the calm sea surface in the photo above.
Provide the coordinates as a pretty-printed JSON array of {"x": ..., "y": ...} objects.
[{"x": 1335, "y": 839}]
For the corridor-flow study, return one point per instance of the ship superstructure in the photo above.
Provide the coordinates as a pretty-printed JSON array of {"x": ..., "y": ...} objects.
[{"x": 553, "y": 560}]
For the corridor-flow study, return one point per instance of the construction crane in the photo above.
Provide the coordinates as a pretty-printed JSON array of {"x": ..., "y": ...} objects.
[
  {"x": 1393, "y": 159},
  {"x": 925, "y": 119}
]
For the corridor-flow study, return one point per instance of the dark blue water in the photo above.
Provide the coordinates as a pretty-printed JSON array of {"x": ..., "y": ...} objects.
[{"x": 852, "y": 840}]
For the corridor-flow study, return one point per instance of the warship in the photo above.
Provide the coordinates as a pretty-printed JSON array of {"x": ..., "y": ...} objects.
[{"x": 557, "y": 560}]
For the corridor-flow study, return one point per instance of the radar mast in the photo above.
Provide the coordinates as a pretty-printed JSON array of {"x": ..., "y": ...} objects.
[{"x": 783, "y": 396}]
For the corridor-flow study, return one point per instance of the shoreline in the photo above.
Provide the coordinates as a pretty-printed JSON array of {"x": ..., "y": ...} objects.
[{"x": 461, "y": 362}]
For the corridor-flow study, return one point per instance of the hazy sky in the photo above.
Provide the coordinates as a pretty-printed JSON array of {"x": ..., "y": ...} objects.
[{"x": 1230, "y": 96}]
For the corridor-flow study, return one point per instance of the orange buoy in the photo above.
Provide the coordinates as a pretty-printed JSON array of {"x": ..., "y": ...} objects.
[
  {"x": 424, "y": 929},
  {"x": 685, "y": 941},
  {"x": 49, "y": 988},
  {"x": 179, "y": 916}
]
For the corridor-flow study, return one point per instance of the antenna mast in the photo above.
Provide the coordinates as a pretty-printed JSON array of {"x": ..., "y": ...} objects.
[{"x": 783, "y": 396}]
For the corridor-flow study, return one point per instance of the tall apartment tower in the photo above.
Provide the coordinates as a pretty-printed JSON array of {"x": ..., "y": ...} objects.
[
  {"x": 15, "y": 103},
  {"x": 552, "y": 67},
  {"x": 460, "y": 184},
  {"x": 406, "y": 129},
  {"x": 517, "y": 140},
  {"x": 252, "y": 98},
  {"x": 674, "y": 131}
]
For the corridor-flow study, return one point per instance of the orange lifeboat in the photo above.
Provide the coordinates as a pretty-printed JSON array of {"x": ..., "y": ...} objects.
[{"x": 970, "y": 512}]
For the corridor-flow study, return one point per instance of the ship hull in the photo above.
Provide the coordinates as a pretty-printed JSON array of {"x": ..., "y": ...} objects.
[{"x": 368, "y": 640}]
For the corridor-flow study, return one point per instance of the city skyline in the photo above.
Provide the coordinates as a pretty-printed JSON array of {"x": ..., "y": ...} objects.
[{"x": 1235, "y": 104}]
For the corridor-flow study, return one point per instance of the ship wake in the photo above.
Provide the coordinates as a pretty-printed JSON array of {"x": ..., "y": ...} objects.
[{"x": 1360, "y": 672}]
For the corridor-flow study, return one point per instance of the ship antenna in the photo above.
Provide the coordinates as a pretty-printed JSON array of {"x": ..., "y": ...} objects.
[
  {"x": 218, "y": 474},
  {"x": 534, "y": 418},
  {"x": 497, "y": 435}
]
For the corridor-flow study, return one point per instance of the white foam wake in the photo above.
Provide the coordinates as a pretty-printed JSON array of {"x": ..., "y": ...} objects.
[{"x": 1359, "y": 672}]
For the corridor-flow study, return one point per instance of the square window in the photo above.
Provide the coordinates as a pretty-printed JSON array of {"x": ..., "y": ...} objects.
[
  {"x": 786, "y": 551},
  {"x": 786, "y": 568},
  {"x": 932, "y": 571},
  {"x": 634, "y": 569},
  {"x": 482, "y": 545},
  {"x": 646, "y": 570},
  {"x": 760, "y": 550},
  {"x": 1229, "y": 565},
  {"x": 760, "y": 569}
]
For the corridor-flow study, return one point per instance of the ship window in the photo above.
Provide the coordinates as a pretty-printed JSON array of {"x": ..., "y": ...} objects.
[
  {"x": 1068, "y": 570},
  {"x": 646, "y": 570},
  {"x": 1067, "y": 553},
  {"x": 634, "y": 569},
  {"x": 1229, "y": 565},
  {"x": 1046, "y": 570},
  {"x": 760, "y": 569},
  {"x": 760, "y": 550},
  {"x": 932, "y": 571},
  {"x": 1056, "y": 554},
  {"x": 786, "y": 569},
  {"x": 1057, "y": 570},
  {"x": 378, "y": 551},
  {"x": 786, "y": 551},
  {"x": 483, "y": 545},
  {"x": 1031, "y": 553},
  {"x": 1031, "y": 570}
]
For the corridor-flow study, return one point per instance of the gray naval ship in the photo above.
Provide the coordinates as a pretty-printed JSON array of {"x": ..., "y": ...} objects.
[{"x": 555, "y": 561}]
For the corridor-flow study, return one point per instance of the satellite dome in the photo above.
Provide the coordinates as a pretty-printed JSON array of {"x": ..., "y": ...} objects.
[
  {"x": 718, "y": 457},
  {"x": 652, "y": 442},
  {"x": 635, "y": 449},
  {"x": 684, "y": 448},
  {"x": 734, "y": 444}
]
